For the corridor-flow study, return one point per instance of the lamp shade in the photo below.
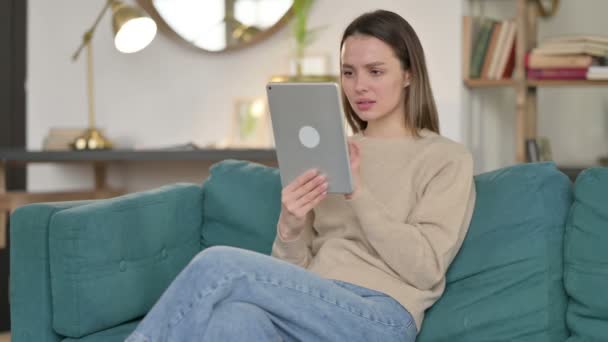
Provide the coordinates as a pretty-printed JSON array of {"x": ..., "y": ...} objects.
[{"x": 133, "y": 30}]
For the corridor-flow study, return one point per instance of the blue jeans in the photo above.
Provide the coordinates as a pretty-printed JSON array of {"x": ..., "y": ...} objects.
[{"x": 231, "y": 294}]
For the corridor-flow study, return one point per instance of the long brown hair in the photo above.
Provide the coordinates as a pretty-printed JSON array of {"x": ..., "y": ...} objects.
[{"x": 395, "y": 31}]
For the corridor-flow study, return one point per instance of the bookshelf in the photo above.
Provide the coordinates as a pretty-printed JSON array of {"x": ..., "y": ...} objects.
[
  {"x": 526, "y": 21},
  {"x": 472, "y": 83}
]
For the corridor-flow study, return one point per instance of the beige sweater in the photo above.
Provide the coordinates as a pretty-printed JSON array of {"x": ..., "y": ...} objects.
[{"x": 403, "y": 228}]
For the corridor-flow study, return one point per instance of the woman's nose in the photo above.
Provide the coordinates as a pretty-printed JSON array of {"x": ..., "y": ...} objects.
[{"x": 360, "y": 84}]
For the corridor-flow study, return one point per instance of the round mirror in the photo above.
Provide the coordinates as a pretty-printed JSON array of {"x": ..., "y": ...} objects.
[{"x": 219, "y": 25}]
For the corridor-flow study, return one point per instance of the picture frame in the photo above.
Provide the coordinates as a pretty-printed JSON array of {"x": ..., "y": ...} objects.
[{"x": 250, "y": 127}]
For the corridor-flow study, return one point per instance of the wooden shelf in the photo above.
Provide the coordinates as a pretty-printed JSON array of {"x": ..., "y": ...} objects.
[
  {"x": 19, "y": 155},
  {"x": 480, "y": 83},
  {"x": 567, "y": 83}
]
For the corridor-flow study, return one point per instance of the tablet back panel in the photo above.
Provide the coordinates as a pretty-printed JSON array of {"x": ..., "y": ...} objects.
[{"x": 308, "y": 126}]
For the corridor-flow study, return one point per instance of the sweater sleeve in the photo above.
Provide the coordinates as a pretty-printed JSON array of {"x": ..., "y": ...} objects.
[
  {"x": 296, "y": 251},
  {"x": 435, "y": 227}
]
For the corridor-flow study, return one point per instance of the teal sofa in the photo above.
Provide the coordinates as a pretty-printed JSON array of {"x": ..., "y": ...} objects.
[{"x": 533, "y": 267}]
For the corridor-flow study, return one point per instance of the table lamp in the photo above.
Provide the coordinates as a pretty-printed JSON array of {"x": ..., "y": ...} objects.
[{"x": 133, "y": 31}]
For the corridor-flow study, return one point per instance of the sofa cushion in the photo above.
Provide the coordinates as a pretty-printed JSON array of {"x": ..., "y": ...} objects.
[
  {"x": 241, "y": 205},
  {"x": 505, "y": 284},
  {"x": 111, "y": 260},
  {"x": 586, "y": 258},
  {"x": 116, "y": 334}
]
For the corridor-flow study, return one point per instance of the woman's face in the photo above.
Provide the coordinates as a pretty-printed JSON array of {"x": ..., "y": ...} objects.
[{"x": 373, "y": 80}]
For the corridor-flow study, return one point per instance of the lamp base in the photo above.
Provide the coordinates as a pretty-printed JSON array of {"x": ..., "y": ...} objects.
[{"x": 91, "y": 139}]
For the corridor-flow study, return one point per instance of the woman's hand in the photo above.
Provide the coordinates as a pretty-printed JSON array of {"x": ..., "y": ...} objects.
[
  {"x": 354, "y": 152},
  {"x": 298, "y": 198}
]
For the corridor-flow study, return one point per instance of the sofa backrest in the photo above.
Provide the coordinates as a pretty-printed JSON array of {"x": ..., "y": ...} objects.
[
  {"x": 586, "y": 258},
  {"x": 241, "y": 205},
  {"x": 506, "y": 282}
]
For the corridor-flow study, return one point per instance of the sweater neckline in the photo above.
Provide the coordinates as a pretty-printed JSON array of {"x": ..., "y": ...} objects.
[{"x": 424, "y": 133}]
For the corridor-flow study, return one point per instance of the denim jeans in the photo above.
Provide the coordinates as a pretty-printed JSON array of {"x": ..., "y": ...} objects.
[{"x": 231, "y": 294}]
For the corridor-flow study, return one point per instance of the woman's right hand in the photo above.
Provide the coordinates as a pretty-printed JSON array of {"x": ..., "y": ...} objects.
[{"x": 298, "y": 198}]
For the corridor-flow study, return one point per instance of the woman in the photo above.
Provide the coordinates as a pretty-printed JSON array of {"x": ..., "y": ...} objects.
[{"x": 357, "y": 267}]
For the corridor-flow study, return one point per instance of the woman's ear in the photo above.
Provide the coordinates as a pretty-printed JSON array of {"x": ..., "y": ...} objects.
[{"x": 406, "y": 79}]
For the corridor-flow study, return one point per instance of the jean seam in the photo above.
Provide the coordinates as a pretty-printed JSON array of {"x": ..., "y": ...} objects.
[
  {"x": 343, "y": 307},
  {"x": 202, "y": 294}
]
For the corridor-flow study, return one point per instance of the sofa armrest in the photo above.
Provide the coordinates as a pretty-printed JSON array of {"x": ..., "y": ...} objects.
[
  {"x": 111, "y": 260},
  {"x": 30, "y": 288}
]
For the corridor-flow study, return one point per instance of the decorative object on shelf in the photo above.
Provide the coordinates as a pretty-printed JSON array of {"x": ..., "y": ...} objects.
[
  {"x": 60, "y": 138},
  {"x": 133, "y": 31},
  {"x": 250, "y": 124},
  {"x": 219, "y": 25},
  {"x": 544, "y": 11},
  {"x": 544, "y": 146},
  {"x": 303, "y": 36},
  {"x": 532, "y": 151},
  {"x": 305, "y": 67},
  {"x": 538, "y": 150},
  {"x": 309, "y": 65}
]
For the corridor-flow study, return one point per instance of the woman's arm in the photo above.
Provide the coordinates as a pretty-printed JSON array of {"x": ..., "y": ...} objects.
[
  {"x": 421, "y": 249},
  {"x": 294, "y": 229},
  {"x": 295, "y": 250}
]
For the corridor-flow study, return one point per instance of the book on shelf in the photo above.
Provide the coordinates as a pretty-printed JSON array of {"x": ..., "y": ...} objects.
[
  {"x": 571, "y": 57},
  {"x": 578, "y": 38},
  {"x": 540, "y": 61},
  {"x": 60, "y": 138},
  {"x": 592, "y": 45},
  {"x": 557, "y": 74},
  {"x": 572, "y": 48},
  {"x": 488, "y": 47},
  {"x": 598, "y": 72}
]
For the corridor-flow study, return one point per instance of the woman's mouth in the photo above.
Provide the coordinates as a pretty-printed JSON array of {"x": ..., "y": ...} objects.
[{"x": 364, "y": 105}]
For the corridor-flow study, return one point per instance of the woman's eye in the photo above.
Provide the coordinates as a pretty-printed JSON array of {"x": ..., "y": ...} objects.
[
  {"x": 347, "y": 73},
  {"x": 376, "y": 72}
]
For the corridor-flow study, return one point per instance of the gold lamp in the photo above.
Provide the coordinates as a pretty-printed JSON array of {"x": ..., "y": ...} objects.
[{"x": 133, "y": 31}]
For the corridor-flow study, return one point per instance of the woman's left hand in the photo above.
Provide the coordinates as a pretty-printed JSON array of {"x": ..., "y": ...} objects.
[{"x": 354, "y": 152}]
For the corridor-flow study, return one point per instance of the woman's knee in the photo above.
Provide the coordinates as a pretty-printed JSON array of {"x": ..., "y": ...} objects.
[{"x": 217, "y": 258}]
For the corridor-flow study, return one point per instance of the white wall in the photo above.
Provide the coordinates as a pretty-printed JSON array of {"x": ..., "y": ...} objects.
[
  {"x": 575, "y": 119},
  {"x": 171, "y": 94}
]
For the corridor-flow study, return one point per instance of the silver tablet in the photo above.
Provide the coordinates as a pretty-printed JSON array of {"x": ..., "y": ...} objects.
[{"x": 309, "y": 132}]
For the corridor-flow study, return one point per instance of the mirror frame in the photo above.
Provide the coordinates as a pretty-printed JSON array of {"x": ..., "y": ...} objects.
[{"x": 148, "y": 6}]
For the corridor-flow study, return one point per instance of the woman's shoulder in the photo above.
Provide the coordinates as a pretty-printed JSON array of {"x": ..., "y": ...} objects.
[{"x": 442, "y": 147}]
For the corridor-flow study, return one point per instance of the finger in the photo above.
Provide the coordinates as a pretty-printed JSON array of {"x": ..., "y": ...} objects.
[
  {"x": 312, "y": 204},
  {"x": 311, "y": 195},
  {"x": 301, "y": 180},
  {"x": 308, "y": 187}
]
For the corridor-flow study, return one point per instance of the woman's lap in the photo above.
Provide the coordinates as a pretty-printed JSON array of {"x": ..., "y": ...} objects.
[{"x": 300, "y": 304}]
